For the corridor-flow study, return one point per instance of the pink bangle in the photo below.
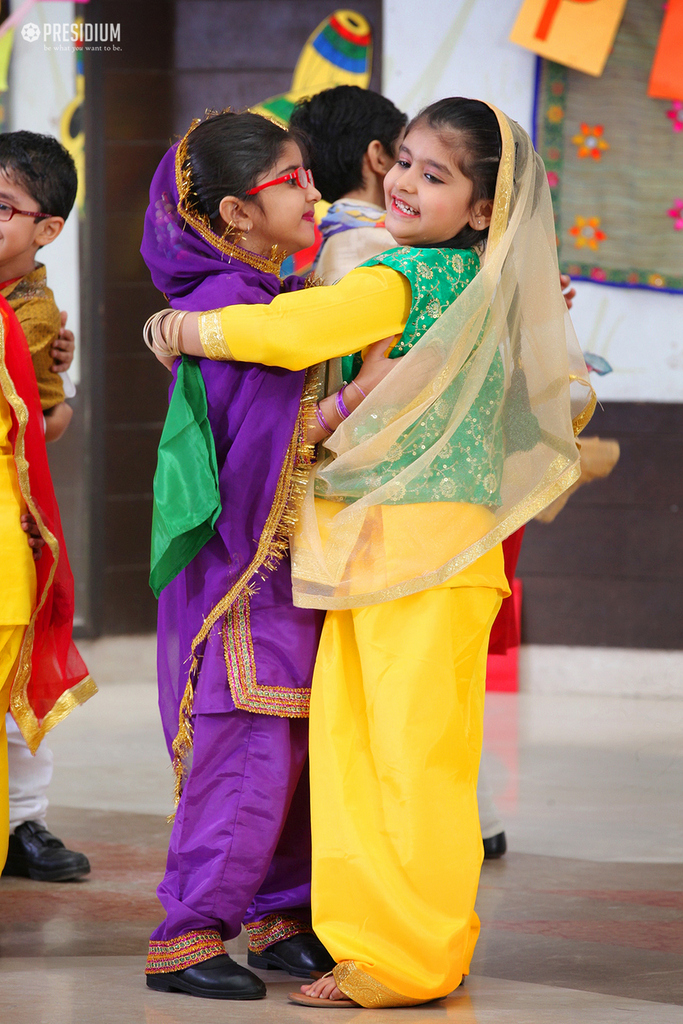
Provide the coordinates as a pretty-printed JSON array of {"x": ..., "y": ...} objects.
[
  {"x": 341, "y": 408},
  {"x": 358, "y": 387},
  {"x": 321, "y": 420}
]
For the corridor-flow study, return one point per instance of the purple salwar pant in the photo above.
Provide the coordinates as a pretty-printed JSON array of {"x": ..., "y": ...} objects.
[{"x": 240, "y": 845}]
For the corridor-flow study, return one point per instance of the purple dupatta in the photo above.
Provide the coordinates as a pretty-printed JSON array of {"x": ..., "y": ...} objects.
[{"x": 259, "y": 653}]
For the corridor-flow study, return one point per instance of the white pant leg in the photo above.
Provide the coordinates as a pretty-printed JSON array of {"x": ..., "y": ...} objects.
[
  {"x": 29, "y": 777},
  {"x": 490, "y": 823}
]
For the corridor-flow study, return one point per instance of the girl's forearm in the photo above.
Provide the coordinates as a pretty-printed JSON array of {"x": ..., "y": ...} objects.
[{"x": 299, "y": 329}]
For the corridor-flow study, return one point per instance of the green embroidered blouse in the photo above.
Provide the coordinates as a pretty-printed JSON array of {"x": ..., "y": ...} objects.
[{"x": 469, "y": 467}]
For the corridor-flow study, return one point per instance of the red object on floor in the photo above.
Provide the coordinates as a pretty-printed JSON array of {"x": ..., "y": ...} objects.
[{"x": 502, "y": 670}]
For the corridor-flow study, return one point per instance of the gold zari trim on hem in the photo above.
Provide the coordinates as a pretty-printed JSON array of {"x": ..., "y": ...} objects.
[
  {"x": 272, "y": 547},
  {"x": 247, "y": 693},
  {"x": 274, "y": 928},
  {"x": 33, "y": 731},
  {"x": 365, "y": 990}
]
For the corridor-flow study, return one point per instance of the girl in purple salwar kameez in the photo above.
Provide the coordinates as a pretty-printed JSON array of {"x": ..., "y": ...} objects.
[{"x": 235, "y": 657}]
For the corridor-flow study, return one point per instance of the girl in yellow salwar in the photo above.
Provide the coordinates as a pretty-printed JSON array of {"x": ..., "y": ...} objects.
[{"x": 467, "y": 438}]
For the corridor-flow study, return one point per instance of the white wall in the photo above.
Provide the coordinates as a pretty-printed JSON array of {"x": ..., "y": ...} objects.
[
  {"x": 438, "y": 48},
  {"x": 42, "y": 82}
]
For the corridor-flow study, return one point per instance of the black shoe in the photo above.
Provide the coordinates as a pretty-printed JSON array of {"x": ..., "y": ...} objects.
[
  {"x": 219, "y": 977},
  {"x": 495, "y": 847},
  {"x": 36, "y": 853},
  {"x": 300, "y": 956}
]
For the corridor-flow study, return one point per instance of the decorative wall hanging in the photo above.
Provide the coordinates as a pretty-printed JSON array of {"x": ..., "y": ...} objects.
[
  {"x": 615, "y": 166},
  {"x": 578, "y": 33},
  {"x": 338, "y": 52}
]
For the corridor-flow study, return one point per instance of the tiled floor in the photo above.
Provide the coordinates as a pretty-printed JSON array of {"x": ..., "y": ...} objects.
[{"x": 581, "y": 921}]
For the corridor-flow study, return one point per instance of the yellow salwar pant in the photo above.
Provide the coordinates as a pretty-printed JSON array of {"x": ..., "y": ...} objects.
[
  {"x": 395, "y": 744},
  {"x": 10, "y": 645}
]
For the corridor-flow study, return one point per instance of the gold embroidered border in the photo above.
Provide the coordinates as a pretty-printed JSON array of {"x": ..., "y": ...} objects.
[
  {"x": 211, "y": 336},
  {"x": 31, "y": 729},
  {"x": 166, "y": 955},
  {"x": 551, "y": 487},
  {"x": 272, "y": 547},
  {"x": 366, "y": 990},
  {"x": 506, "y": 174},
  {"x": 247, "y": 693},
  {"x": 274, "y": 928},
  {"x": 586, "y": 414}
]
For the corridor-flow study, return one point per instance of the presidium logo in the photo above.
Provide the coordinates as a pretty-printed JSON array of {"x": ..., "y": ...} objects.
[{"x": 67, "y": 35}]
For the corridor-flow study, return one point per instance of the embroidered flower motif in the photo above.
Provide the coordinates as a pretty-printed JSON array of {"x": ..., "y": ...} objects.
[
  {"x": 395, "y": 490},
  {"x": 434, "y": 308},
  {"x": 675, "y": 114},
  {"x": 656, "y": 280},
  {"x": 587, "y": 233},
  {"x": 457, "y": 263},
  {"x": 425, "y": 271},
  {"x": 676, "y": 212},
  {"x": 590, "y": 141},
  {"x": 394, "y": 452},
  {"x": 553, "y": 179},
  {"x": 490, "y": 482},
  {"x": 555, "y": 114}
]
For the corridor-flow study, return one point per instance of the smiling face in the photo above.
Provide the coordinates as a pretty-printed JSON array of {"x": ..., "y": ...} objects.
[
  {"x": 280, "y": 215},
  {"x": 428, "y": 198},
  {"x": 21, "y": 237}
]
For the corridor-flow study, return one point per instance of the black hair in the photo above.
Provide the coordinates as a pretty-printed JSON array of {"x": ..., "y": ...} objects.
[
  {"x": 339, "y": 125},
  {"x": 471, "y": 128},
  {"x": 228, "y": 152},
  {"x": 42, "y": 167}
]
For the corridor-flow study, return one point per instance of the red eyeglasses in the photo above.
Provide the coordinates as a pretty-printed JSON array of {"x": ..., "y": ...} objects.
[
  {"x": 7, "y": 211},
  {"x": 303, "y": 178}
]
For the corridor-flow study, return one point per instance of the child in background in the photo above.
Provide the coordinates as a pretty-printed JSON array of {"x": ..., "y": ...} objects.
[
  {"x": 354, "y": 136},
  {"x": 37, "y": 190},
  {"x": 38, "y": 176},
  {"x": 469, "y": 437}
]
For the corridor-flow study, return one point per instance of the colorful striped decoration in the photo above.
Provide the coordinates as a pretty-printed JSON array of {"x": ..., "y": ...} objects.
[{"x": 339, "y": 52}]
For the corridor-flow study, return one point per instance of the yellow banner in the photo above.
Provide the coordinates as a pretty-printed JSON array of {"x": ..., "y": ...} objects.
[{"x": 577, "y": 33}]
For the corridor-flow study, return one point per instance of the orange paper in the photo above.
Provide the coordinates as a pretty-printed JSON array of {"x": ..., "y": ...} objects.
[
  {"x": 577, "y": 33},
  {"x": 666, "y": 77}
]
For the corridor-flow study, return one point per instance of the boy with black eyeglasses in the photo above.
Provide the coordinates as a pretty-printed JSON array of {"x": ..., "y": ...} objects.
[{"x": 38, "y": 185}]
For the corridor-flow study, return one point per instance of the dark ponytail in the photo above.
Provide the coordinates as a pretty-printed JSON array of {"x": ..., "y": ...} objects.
[
  {"x": 228, "y": 153},
  {"x": 471, "y": 129}
]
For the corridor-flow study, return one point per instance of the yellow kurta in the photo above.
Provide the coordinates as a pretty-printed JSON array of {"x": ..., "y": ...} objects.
[
  {"x": 396, "y": 706},
  {"x": 17, "y": 597}
]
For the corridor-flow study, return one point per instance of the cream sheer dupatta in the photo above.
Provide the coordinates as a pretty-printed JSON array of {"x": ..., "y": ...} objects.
[{"x": 357, "y": 542}]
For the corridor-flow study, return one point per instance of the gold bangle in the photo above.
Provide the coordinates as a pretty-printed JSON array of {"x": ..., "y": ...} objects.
[
  {"x": 175, "y": 324},
  {"x": 153, "y": 334}
]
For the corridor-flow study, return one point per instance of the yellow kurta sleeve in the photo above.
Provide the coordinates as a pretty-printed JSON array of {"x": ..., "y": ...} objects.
[{"x": 299, "y": 329}]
